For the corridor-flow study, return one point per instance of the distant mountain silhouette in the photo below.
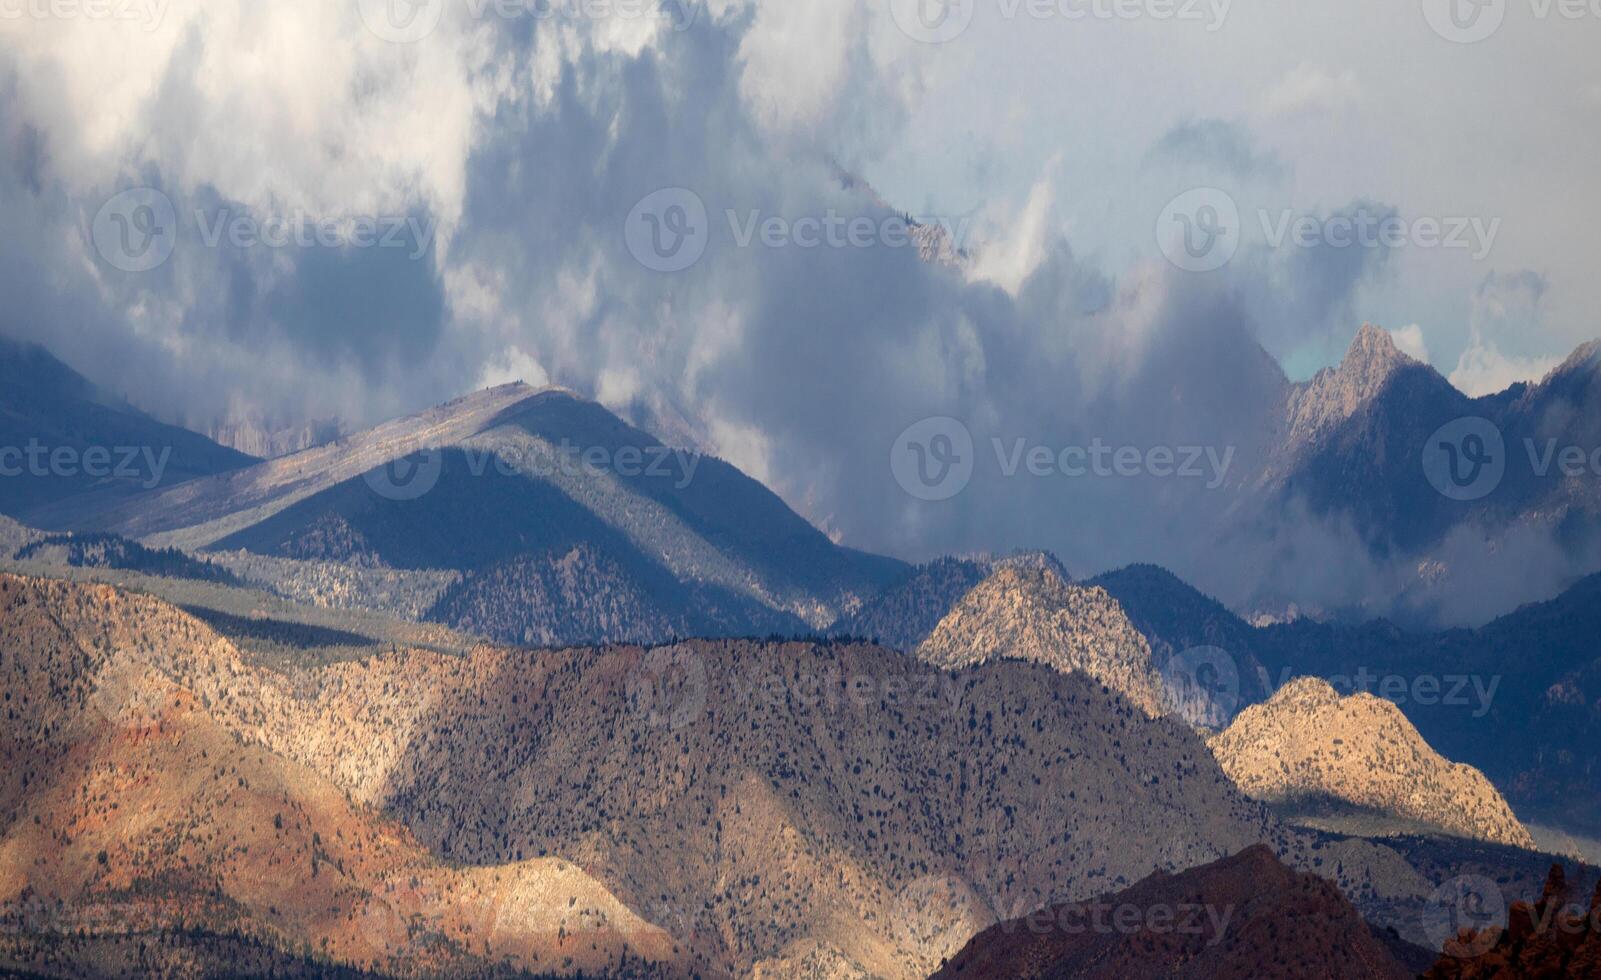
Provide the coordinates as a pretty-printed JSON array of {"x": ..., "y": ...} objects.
[{"x": 87, "y": 447}]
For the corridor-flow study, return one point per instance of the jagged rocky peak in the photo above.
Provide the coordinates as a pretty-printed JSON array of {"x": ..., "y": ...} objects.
[
  {"x": 1337, "y": 393},
  {"x": 1371, "y": 359}
]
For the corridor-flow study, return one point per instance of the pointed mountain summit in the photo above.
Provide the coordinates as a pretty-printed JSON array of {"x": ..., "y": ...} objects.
[
  {"x": 1028, "y": 612},
  {"x": 1372, "y": 367}
]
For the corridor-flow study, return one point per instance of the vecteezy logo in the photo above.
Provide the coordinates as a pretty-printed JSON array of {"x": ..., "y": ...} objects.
[
  {"x": 932, "y": 21},
  {"x": 668, "y": 230},
  {"x": 1465, "y": 21},
  {"x": 1464, "y": 916},
  {"x": 1465, "y": 459},
  {"x": 137, "y": 230},
  {"x": 668, "y": 687},
  {"x": 408, "y": 478},
  {"x": 933, "y": 459},
  {"x": 1199, "y": 231},
  {"x": 1202, "y": 686},
  {"x": 402, "y": 21}
]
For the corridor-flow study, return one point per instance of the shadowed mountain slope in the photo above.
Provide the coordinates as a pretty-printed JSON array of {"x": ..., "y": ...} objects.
[
  {"x": 542, "y": 502},
  {"x": 1516, "y": 699},
  {"x": 87, "y": 447},
  {"x": 905, "y": 612}
]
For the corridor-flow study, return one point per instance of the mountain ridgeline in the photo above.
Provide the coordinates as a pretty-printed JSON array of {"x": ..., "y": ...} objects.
[
  {"x": 66, "y": 446},
  {"x": 560, "y": 523}
]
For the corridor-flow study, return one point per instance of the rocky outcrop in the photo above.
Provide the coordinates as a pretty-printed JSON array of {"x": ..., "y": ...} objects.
[
  {"x": 1029, "y": 612},
  {"x": 1556, "y": 936},
  {"x": 1308, "y": 745}
]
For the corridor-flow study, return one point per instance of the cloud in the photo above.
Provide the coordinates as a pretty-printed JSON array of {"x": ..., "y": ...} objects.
[
  {"x": 1310, "y": 89},
  {"x": 1484, "y": 370},
  {"x": 1221, "y": 147},
  {"x": 1410, "y": 341},
  {"x": 1506, "y": 309},
  {"x": 526, "y": 144}
]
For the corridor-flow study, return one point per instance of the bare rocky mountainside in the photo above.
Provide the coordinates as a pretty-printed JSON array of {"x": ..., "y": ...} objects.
[
  {"x": 1310, "y": 749},
  {"x": 728, "y": 807},
  {"x": 127, "y": 807},
  {"x": 1033, "y": 614},
  {"x": 1244, "y": 916}
]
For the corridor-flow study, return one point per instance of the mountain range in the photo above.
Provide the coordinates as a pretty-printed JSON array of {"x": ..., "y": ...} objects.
[
  {"x": 485, "y": 690},
  {"x": 537, "y": 507},
  {"x": 1349, "y": 452}
]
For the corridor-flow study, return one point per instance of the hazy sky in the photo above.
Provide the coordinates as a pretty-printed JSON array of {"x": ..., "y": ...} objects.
[{"x": 364, "y": 207}]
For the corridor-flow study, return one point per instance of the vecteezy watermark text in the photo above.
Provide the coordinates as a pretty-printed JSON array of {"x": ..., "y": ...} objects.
[
  {"x": 147, "y": 13},
  {"x": 1128, "y": 919},
  {"x": 935, "y": 459},
  {"x": 412, "y": 475},
  {"x": 146, "y": 464},
  {"x": 1202, "y": 229},
  {"x": 1472, "y": 21},
  {"x": 1468, "y": 458},
  {"x": 139, "y": 229},
  {"x": 669, "y": 230},
  {"x": 671, "y": 687}
]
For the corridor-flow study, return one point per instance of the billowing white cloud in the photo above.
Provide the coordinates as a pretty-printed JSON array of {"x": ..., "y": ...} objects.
[
  {"x": 1410, "y": 340},
  {"x": 1485, "y": 370},
  {"x": 1311, "y": 89}
]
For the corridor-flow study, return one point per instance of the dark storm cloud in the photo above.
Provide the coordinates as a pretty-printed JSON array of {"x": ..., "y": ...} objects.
[{"x": 801, "y": 363}]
